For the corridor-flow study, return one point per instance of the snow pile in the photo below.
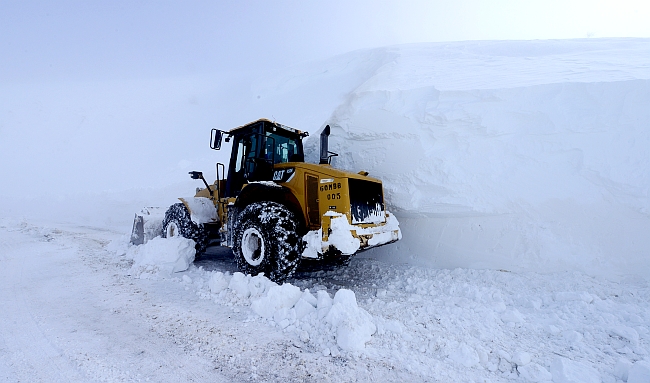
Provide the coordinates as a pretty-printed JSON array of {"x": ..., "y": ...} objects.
[
  {"x": 508, "y": 155},
  {"x": 449, "y": 325},
  {"x": 162, "y": 256},
  {"x": 327, "y": 323},
  {"x": 439, "y": 324},
  {"x": 353, "y": 325}
]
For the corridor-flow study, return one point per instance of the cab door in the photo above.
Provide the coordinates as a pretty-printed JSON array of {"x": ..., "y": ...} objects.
[{"x": 311, "y": 194}]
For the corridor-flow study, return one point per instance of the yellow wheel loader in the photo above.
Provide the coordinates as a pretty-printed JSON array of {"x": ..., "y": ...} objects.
[{"x": 275, "y": 210}]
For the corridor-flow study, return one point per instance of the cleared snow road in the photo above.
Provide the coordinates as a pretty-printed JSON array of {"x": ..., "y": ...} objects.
[
  {"x": 67, "y": 318},
  {"x": 73, "y": 311}
]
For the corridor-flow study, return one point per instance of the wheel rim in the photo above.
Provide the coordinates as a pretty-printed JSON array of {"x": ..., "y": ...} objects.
[
  {"x": 252, "y": 246},
  {"x": 172, "y": 230}
]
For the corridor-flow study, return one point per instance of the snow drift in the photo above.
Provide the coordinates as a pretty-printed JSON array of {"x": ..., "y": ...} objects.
[{"x": 509, "y": 155}]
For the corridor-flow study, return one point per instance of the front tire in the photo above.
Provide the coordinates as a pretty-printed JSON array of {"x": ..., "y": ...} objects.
[
  {"x": 178, "y": 223},
  {"x": 266, "y": 241}
]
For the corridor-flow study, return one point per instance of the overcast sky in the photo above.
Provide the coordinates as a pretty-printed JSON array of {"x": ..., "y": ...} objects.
[{"x": 128, "y": 38}]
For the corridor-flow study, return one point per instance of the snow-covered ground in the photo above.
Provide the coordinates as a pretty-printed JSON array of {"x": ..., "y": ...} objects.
[
  {"x": 76, "y": 308},
  {"x": 519, "y": 171}
]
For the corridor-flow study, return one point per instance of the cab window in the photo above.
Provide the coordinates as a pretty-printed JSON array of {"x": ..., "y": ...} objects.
[
  {"x": 281, "y": 149},
  {"x": 246, "y": 149}
]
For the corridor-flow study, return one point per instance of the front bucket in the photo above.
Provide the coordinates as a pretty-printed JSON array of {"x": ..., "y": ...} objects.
[{"x": 147, "y": 225}]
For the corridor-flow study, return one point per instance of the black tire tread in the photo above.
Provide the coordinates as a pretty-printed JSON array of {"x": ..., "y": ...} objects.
[{"x": 283, "y": 245}]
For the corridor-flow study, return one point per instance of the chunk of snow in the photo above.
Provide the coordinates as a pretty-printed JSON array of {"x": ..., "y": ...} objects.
[
  {"x": 218, "y": 282},
  {"x": 309, "y": 298},
  {"x": 258, "y": 285},
  {"x": 533, "y": 372},
  {"x": 465, "y": 355},
  {"x": 284, "y": 316},
  {"x": 387, "y": 234},
  {"x": 499, "y": 307},
  {"x": 168, "y": 255},
  {"x": 521, "y": 358},
  {"x": 303, "y": 308},
  {"x": 622, "y": 368},
  {"x": 568, "y": 371},
  {"x": 554, "y": 330},
  {"x": 277, "y": 297},
  {"x": 354, "y": 326},
  {"x": 341, "y": 237},
  {"x": 239, "y": 284},
  {"x": 313, "y": 243},
  {"x": 639, "y": 372},
  {"x": 504, "y": 355},
  {"x": 324, "y": 303}
]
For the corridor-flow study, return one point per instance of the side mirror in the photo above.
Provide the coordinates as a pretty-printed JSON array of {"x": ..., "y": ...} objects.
[
  {"x": 196, "y": 175},
  {"x": 215, "y": 139}
]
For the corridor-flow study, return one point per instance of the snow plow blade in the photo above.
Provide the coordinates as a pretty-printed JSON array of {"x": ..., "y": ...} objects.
[{"x": 147, "y": 225}]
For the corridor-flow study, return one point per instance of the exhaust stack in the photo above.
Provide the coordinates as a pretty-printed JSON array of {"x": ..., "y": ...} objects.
[{"x": 324, "y": 140}]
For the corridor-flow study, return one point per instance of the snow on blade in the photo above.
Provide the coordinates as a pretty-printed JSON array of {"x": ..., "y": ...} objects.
[
  {"x": 202, "y": 210},
  {"x": 340, "y": 235}
]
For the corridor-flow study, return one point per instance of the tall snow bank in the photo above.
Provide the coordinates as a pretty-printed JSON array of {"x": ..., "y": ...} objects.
[{"x": 509, "y": 155}]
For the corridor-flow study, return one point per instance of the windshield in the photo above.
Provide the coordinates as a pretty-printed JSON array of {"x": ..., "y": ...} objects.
[{"x": 282, "y": 149}]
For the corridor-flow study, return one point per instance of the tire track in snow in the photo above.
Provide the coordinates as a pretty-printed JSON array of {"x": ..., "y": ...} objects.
[
  {"x": 21, "y": 329},
  {"x": 68, "y": 322}
]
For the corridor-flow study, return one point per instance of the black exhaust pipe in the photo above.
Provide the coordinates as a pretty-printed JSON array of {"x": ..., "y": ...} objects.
[{"x": 324, "y": 140}]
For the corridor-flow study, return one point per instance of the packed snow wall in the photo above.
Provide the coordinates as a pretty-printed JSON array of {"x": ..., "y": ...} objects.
[
  {"x": 528, "y": 156},
  {"x": 515, "y": 155}
]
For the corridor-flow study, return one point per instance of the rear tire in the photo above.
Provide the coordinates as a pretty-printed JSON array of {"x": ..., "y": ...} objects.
[
  {"x": 178, "y": 223},
  {"x": 266, "y": 241}
]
